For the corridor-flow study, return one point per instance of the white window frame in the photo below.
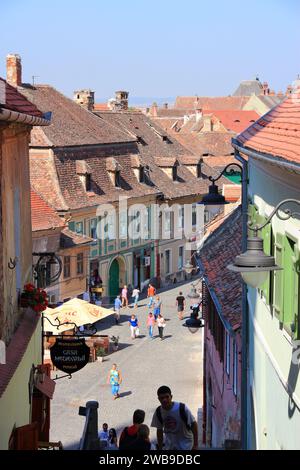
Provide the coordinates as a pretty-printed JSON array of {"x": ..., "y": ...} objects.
[
  {"x": 181, "y": 217},
  {"x": 227, "y": 352}
]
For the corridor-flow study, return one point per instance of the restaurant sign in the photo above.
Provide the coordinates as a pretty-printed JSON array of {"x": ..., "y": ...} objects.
[{"x": 70, "y": 355}]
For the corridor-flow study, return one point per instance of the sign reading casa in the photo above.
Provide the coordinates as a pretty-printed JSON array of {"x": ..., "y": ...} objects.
[{"x": 70, "y": 355}]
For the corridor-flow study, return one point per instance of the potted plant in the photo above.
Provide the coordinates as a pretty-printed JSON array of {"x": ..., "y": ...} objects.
[
  {"x": 100, "y": 353},
  {"x": 115, "y": 341},
  {"x": 34, "y": 297}
]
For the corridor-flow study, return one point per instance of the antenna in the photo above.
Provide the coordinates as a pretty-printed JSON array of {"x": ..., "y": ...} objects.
[{"x": 33, "y": 77}]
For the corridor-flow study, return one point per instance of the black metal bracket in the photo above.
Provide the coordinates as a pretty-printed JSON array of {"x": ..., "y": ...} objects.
[{"x": 213, "y": 180}]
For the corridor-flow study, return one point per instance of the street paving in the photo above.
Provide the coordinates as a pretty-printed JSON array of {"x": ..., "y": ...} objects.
[{"x": 145, "y": 365}]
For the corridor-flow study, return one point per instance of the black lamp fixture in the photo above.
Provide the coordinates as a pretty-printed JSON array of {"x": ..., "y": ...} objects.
[
  {"x": 44, "y": 269},
  {"x": 213, "y": 197},
  {"x": 254, "y": 265}
]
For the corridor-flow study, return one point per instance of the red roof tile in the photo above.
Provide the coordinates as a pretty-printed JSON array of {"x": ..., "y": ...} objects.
[
  {"x": 14, "y": 101},
  {"x": 236, "y": 120},
  {"x": 211, "y": 102},
  {"x": 232, "y": 192},
  {"x": 219, "y": 250},
  {"x": 277, "y": 133},
  {"x": 43, "y": 217}
]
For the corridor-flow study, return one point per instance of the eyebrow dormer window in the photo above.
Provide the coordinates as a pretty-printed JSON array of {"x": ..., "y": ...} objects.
[
  {"x": 142, "y": 174},
  {"x": 199, "y": 168},
  {"x": 88, "y": 182},
  {"x": 174, "y": 172}
]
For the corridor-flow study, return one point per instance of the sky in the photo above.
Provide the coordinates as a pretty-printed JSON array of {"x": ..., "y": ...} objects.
[{"x": 155, "y": 48}]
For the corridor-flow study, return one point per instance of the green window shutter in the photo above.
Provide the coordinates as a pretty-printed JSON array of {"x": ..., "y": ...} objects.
[
  {"x": 252, "y": 216},
  {"x": 296, "y": 268},
  {"x": 278, "y": 278},
  {"x": 72, "y": 226},
  {"x": 288, "y": 283},
  {"x": 266, "y": 236}
]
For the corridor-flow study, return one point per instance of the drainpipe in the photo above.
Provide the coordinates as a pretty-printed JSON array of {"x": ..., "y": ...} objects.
[{"x": 245, "y": 392}]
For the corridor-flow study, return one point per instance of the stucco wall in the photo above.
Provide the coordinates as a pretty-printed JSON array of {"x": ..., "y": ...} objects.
[{"x": 271, "y": 348}]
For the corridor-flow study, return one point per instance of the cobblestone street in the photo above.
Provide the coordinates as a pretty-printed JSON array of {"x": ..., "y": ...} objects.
[{"x": 145, "y": 365}]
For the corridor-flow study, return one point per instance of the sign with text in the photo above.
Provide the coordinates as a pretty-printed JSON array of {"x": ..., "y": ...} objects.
[{"x": 70, "y": 355}]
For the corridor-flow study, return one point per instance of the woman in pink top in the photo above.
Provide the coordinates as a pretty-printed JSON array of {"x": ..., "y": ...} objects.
[
  {"x": 150, "y": 324},
  {"x": 124, "y": 296}
]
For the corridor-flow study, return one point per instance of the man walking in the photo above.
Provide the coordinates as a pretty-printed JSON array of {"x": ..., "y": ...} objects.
[
  {"x": 180, "y": 302},
  {"x": 118, "y": 305},
  {"x": 176, "y": 422},
  {"x": 151, "y": 293}
]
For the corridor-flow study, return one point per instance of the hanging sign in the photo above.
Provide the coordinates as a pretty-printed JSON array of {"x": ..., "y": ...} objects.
[{"x": 70, "y": 355}]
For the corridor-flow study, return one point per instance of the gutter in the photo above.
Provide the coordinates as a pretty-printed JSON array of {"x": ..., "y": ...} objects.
[
  {"x": 14, "y": 116},
  {"x": 266, "y": 157}
]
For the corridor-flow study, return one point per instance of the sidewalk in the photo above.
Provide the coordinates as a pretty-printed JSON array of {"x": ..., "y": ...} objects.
[{"x": 145, "y": 365}]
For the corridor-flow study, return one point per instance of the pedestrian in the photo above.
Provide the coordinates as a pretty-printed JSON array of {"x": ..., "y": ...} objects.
[
  {"x": 112, "y": 442},
  {"x": 161, "y": 323},
  {"x": 150, "y": 324},
  {"x": 176, "y": 422},
  {"x": 151, "y": 293},
  {"x": 129, "y": 434},
  {"x": 143, "y": 439},
  {"x": 124, "y": 296},
  {"x": 115, "y": 379},
  {"x": 135, "y": 296},
  {"x": 180, "y": 302},
  {"x": 118, "y": 305},
  {"x": 134, "y": 326},
  {"x": 103, "y": 436},
  {"x": 157, "y": 306}
]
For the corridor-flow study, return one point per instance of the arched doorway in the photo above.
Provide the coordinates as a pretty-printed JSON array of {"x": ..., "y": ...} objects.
[{"x": 116, "y": 276}]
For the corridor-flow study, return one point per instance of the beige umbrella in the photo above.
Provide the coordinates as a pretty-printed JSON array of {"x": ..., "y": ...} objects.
[{"x": 75, "y": 311}]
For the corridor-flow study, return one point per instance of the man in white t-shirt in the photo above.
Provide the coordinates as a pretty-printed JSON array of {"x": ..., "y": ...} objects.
[{"x": 176, "y": 422}]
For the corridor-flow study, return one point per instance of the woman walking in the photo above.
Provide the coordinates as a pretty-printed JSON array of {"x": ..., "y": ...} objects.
[
  {"x": 124, "y": 296},
  {"x": 150, "y": 324},
  {"x": 134, "y": 326},
  {"x": 135, "y": 296},
  {"x": 114, "y": 378},
  {"x": 161, "y": 325},
  {"x": 112, "y": 442}
]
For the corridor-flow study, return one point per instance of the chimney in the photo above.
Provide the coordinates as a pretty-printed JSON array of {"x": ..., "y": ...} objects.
[
  {"x": 14, "y": 70},
  {"x": 121, "y": 101},
  {"x": 199, "y": 114},
  {"x": 153, "y": 109},
  {"x": 86, "y": 99},
  {"x": 272, "y": 93},
  {"x": 165, "y": 105},
  {"x": 289, "y": 90},
  {"x": 266, "y": 89}
]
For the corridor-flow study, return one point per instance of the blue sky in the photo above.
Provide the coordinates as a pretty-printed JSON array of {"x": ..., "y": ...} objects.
[{"x": 157, "y": 48}]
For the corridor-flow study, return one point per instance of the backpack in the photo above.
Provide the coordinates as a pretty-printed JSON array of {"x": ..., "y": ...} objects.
[
  {"x": 128, "y": 440},
  {"x": 182, "y": 414}
]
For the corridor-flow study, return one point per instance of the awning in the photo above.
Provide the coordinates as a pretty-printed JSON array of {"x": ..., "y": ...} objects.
[{"x": 75, "y": 311}]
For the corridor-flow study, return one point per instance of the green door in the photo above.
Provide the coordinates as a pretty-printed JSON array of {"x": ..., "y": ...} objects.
[{"x": 114, "y": 279}]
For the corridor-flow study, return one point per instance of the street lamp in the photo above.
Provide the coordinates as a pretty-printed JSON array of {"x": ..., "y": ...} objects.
[
  {"x": 193, "y": 323},
  {"x": 213, "y": 198},
  {"x": 43, "y": 268},
  {"x": 254, "y": 265}
]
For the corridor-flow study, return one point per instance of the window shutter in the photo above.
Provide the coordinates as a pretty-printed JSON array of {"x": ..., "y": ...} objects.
[
  {"x": 288, "y": 283},
  {"x": 278, "y": 278},
  {"x": 266, "y": 236},
  {"x": 296, "y": 269}
]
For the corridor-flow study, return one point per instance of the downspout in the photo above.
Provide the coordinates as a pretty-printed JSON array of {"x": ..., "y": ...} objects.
[
  {"x": 14, "y": 116},
  {"x": 245, "y": 392}
]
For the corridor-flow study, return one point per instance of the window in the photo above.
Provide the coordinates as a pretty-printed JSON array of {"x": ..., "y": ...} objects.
[
  {"x": 235, "y": 368},
  {"x": 180, "y": 257},
  {"x": 93, "y": 228},
  {"x": 123, "y": 225},
  {"x": 206, "y": 216},
  {"x": 67, "y": 266},
  {"x": 117, "y": 179},
  {"x": 174, "y": 172},
  {"x": 214, "y": 324},
  {"x": 227, "y": 338},
  {"x": 181, "y": 218},
  {"x": 194, "y": 215},
  {"x": 80, "y": 263},
  {"x": 79, "y": 227},
  {"x": 110, "y": 227},
  {"x": 199, "y": 170},
  {"x": 142, "y": 174},
  {"x": 167, "y": 261},
  {"x": 167, "y": 221}
]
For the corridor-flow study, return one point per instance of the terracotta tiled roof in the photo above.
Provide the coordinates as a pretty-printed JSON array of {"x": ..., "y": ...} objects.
[
  {"x": 213, "y": 143},
  {"x": 232, "y": 192},
  {"x": 69, "y": 239},
  {"x": 43, "y": 217},
  {"x": 14, "y": 101},
  {"x": 219, "y": 162},
  {"x": 236, "y": 121},
  {"x": 17, "y": 348},
  {"x": 277, "y": 133},
  {"x": 71, "y": 124},
  {"x": 101, "y": 107},
  {"x": 211, "y": 103},
  {"x": 219, "y": 250}
]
